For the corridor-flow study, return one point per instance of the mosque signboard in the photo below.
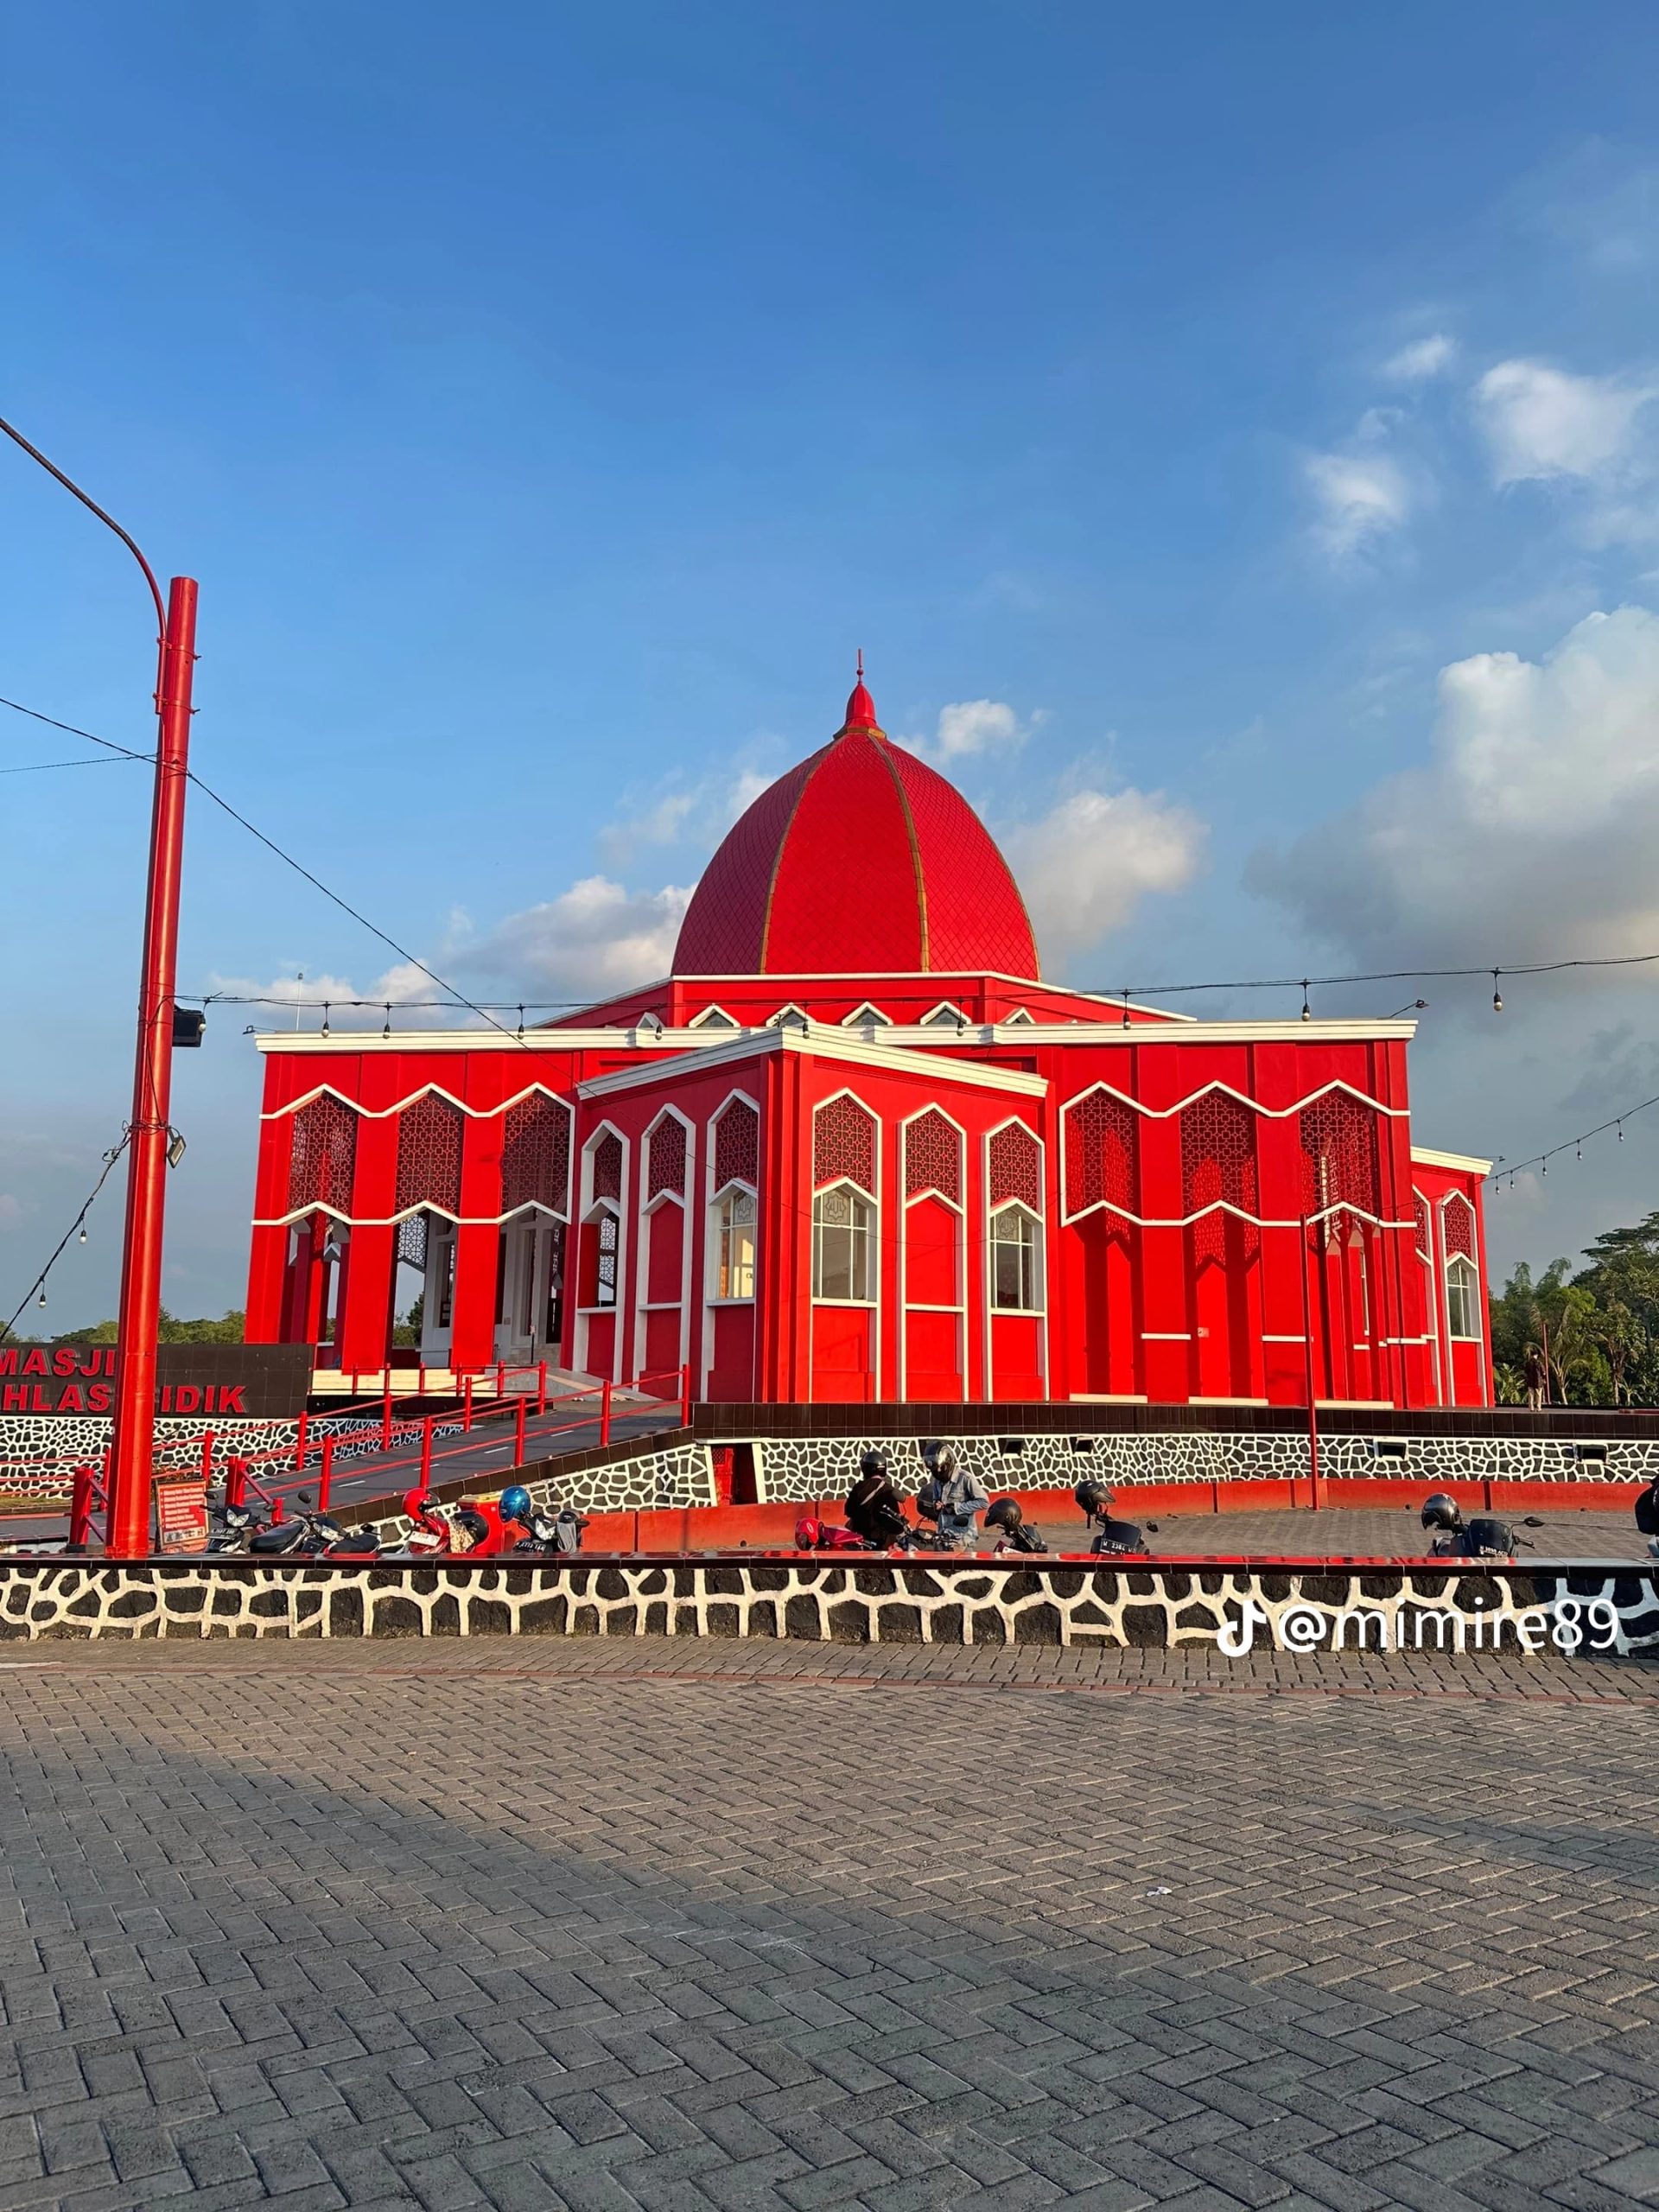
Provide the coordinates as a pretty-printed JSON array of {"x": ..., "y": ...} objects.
[{"x": 226, "y": 1381}]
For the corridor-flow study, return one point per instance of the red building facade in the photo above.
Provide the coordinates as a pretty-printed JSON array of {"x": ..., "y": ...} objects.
[{"x": 853, "y": 1149}]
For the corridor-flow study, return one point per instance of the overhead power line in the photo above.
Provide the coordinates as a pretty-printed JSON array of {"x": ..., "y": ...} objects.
[
  {"x": 1507, "y": 1170},
  {"x": 79, "y": 1223}
]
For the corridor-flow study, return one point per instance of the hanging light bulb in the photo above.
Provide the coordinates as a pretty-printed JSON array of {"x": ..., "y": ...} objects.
[
  {"x": 1126, "y": 1008},
  {"x": 1621, "y": 1132},
  {"x": 386, "y": 1027},
  {"x": 1543, "y": 1167},
  {"x": 1307, "y": 1011},
  {"x": 83, "y": 1232},
  {"x": 1578, "y": 1149},
  {"x": 41, "y": 1300},
  {"x": 325, "y": 1017},
  {"x": 1497, "y": 995},
  {"x": 521, "y": 1021}
]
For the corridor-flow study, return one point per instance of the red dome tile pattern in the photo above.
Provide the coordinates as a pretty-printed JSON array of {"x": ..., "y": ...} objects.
[{"x": 861, "y": 858}]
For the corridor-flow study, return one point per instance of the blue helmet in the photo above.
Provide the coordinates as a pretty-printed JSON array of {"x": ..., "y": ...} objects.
[{"x": 515, "y": 1502}]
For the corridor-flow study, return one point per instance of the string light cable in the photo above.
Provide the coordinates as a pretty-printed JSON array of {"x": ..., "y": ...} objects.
[
  {"x": 1506, "y": 1171},
  {"x": 78, "y": 1223},
  {"x": 1112, "y": 994}
]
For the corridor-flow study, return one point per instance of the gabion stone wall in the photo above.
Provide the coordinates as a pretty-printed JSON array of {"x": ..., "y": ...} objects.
[
  {"x": 86, "y": 1436},
  {"x": 1581, "y": 1610}
]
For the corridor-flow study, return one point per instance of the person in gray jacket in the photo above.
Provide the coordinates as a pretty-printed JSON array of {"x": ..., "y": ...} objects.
[{"x": 953, "y": 1500}]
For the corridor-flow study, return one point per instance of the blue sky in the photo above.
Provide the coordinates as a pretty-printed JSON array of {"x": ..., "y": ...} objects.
[{"x": 1218, "y": 427}]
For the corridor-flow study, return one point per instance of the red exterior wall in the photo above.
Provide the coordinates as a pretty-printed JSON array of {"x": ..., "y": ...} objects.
[{"x": 1220, "y": 1212}]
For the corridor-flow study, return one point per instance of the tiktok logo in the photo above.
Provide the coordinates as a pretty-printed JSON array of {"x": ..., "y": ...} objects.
[{"x": 1235, "y": 1638}]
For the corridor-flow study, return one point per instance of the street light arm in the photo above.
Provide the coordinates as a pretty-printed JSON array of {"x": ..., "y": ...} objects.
[{"x": 69, "y": 484}]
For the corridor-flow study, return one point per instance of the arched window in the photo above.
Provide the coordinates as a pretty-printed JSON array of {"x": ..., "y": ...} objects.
[
  {"x": 843, "y": 1223},
  {"x": 322, "y": 1155},
  {"x": 1016, "y": 1261},
  {"x": 606, "y": 1237},
  {"x": 734, "y": 1245},
  {"x": 1462, "y": 1299}
]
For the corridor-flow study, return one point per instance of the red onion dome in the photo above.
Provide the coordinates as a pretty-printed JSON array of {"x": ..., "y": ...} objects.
[{"x": 860, "y": 861}]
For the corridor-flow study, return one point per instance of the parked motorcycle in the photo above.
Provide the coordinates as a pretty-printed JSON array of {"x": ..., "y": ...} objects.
[
  {"x": 231, "y": 1529},
  {"x": 1014, "y": 1532},
  {"x": 312, "y": 1534},
  {"x": 1113, "y": 1538},
  {"x": 1483, "y": 1537},
  {"x": 548, "y": 1535}
]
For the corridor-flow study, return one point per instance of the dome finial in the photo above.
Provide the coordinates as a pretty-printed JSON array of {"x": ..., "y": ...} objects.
[{"x": 860, "y": 708}]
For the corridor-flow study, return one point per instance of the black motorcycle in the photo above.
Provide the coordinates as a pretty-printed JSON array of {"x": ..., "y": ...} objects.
[
  {"x": 312, "y": 1534},
  {"x": 1113, "y": 1538},
  {"x": 1483, "y": 1537},
  {"x": 1014, "y": 1532},
  {"x": 551, "y": 1535}
]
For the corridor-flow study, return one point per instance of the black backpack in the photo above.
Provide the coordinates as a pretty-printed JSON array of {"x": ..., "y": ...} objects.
[{"x": 1647, "y": 1511}]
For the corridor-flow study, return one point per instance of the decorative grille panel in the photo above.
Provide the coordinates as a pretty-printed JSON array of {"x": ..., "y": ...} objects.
[
  {"x": 933, "y": 1156},
  {"x": 411, "y": 1240},
  {"x": 536, "y": 1155},
  {"x": 322, "y": 1158},
  {"x": 607, "y": 1166},
  {"x": 429, "y": 1154},
  {"x": 665, "y": 1168},
  {"x": 1459, "y": 1228},
  {"x": 737, "y": 1145},
  {"x": 1102, "y": 1153},
  {"x": 843, "y": 1144},
  {"x": 1016, "y": 1166},
  {"x": 1339, "y": 1158},
  {"x": 1218, "y": 1164},
  {"x": 1425, "y": 1242}
]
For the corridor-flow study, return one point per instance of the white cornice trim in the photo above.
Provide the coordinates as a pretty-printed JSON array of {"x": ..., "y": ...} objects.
[
  {"x": 1180, "y": 1030},
  {"x": 1460, "y": 1163},
  {"x": 828, "y": 1042}
]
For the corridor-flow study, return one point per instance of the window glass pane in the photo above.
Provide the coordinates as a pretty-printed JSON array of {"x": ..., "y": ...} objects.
[
  {"x": 842, "y": 1255},
  {"x": 1463, "y": 1309},
  {"x": 607, "y": 1241},
  {"x": 1015, "y": 1286}
]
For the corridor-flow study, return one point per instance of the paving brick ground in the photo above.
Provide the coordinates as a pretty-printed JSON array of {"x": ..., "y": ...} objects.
[{"x": 685, "y": 1925}]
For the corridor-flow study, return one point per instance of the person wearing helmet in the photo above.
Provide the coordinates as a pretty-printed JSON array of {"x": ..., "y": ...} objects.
[
  {"x": 1013, "y": 1532},
  {"x": 1646, "y": 1515},
  {"x": 874, "y": 1508},
  {"x": 953, "y": 1500}
]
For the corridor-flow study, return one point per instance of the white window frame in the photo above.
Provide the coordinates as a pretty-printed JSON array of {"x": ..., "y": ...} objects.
[
  {"x": 867, "y": 1017},
  {"x": 868, "y": 1230},
  {"x": 711, "y": 1304},
  {"x": 1461, "y": 1269},
  {"x": 714, "y": 1017},
  {"x": 592, "y": 1211},
  {"x": 1039, "y": 1308},
  {"x": 720, "y": 1230}
]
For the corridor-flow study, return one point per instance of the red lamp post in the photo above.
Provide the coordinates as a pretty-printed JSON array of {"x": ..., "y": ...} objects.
[{"x": 149, "y": 1132}]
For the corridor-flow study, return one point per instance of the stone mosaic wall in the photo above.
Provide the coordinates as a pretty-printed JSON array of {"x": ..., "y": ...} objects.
[
  {"x": 72, "y": 1436},
  {"x": 643, "y": 1482},
  {"x": 1605, "y": 1610},
  {"x": 822, "y": 1467}
]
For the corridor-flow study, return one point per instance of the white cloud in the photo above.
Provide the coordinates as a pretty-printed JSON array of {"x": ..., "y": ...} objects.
[
  {"x": 1359, "y": 496},
  {"x": 593, "y": 939},
  {"x": 11, "y": 1209},
  {"x": 973, "y": 726},
  {"x": 691, "y": 813},
  {"x": 1529, "y": 833},
  {"x": 1087, "y": 864},
  {"x": 1542, "y": 422},
  {"x": 1423, "y": 358}
]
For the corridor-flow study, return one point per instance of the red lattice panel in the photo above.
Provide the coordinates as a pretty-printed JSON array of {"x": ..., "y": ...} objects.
[
  {"x": 665, "y": 1163},
  {"x": 843, "y": 1145},
  {"x": 1016, "y": 1167},
  {"x": 1102, "y": 1153},
  {"x": 536, "y": 1155},
  {"x": 1460, "y": 1218},
  {"x": 1424, "y": 1239},
  {"x": 1218, "y": 1168},
  {"x": 1339, "y": 1158},
  {"x": 322, "y": 1155},
  {"x": 429, "y": 1154},
  {"x": 737, "y": 1146},
  {"x": 607, "y": 1166},
  {"x": 933, "y": 1156}
]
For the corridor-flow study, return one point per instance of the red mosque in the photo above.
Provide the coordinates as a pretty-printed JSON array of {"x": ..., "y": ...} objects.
[{"x": 853, "y": 1148}]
